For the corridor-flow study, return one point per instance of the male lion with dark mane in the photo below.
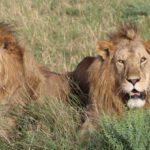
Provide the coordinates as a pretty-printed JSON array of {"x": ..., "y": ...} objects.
[
  {"x": 22, "y": 79},
  {"x": 119, "y": 76}
]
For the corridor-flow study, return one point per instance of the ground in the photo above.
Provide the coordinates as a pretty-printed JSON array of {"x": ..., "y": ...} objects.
[{"x": 59, "y": 33}]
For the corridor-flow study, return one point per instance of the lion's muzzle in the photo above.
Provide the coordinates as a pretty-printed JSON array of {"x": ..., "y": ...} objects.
[{"x": 135, "y": 99}]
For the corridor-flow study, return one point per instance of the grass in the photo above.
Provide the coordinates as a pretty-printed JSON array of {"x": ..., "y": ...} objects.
[
  {"x": 130, "y": 132},
  {"x": 60, "y": 33}
]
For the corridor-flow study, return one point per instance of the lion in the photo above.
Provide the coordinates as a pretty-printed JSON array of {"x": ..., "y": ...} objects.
[
  {"x": 118, "y": 77},
  {"x": 22, "y": 79},
  {"x": 79, "y": 78}
]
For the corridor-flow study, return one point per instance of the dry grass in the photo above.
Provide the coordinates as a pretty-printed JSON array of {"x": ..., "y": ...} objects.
[{"x": 60, "y": 33}]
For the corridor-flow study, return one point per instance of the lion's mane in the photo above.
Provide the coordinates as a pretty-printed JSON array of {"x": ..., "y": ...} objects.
[{"x": 22, "y": 79}]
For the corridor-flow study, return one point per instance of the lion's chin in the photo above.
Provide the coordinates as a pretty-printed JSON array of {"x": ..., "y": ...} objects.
[
  {"x": 135, "y": 103},
  {"x": 135, "y": 99}
]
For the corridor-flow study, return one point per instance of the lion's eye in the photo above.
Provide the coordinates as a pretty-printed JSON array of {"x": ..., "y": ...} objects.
[
  {"x": 121, "y": 61},
  {"x": 143, "y": 59}
]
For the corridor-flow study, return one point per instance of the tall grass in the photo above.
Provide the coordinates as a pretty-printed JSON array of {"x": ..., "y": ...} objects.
[{"x": 60, "y": 33}]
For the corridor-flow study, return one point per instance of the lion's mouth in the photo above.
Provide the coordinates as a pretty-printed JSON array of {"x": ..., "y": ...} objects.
[{"x": 134, "y": 94}]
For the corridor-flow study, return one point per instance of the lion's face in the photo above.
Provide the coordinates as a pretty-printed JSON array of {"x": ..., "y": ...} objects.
[{"x": 132, "y": 63}]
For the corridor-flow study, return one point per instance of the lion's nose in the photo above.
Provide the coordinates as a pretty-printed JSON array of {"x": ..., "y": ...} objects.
[{"x": 134, "y": 81}]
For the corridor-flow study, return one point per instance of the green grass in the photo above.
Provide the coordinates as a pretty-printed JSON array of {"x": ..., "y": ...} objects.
[
  {"x": 59, "y": 34},
  {"x": 55, "y": 125},
  {"x": 131, "y": 132},
  {"x": 50, "y": 126}
]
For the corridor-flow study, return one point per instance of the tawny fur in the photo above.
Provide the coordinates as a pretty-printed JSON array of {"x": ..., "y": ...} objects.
[
  {"x": 22, "y": 79},
  {"x": 127, "y": 31}
]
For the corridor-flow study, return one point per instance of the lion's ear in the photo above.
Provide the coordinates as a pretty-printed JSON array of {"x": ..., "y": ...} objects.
[
  {"x": 7, "y": 42},
  {"x": 104, "y": 49},
  {"x": 147, "y": 45}
]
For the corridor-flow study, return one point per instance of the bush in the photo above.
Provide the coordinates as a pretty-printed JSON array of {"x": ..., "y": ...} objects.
[{"x": 131, "y": 132}]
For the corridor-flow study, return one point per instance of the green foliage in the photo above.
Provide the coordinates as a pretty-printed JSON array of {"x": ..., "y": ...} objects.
[
  {"x": 134, "y": 11},
  {"x": 130, "y": 132},
  {"x": 72, "y": 12},
  {"x": 55, "y": 126}
]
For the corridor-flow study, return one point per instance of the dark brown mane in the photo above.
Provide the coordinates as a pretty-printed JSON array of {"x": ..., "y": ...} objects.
[{"x": 127, "y": 31}]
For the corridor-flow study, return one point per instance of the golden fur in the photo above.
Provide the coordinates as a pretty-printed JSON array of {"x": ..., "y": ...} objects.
[
  {"x": 123, "y": 59},
  {"x": 22, "y": 79}
]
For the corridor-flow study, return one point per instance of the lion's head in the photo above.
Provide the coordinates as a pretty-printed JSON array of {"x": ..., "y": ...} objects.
[
  {"x": 132, "y": 62},
  {"x": 123, "y": 75},
  {"x": 21, "y": 76},
  {"x": 17, "y": 68}
]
